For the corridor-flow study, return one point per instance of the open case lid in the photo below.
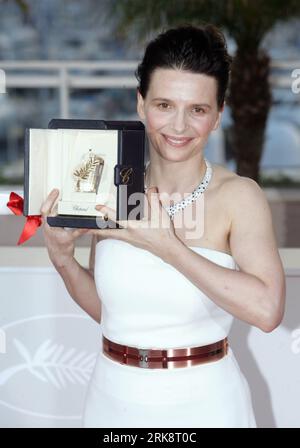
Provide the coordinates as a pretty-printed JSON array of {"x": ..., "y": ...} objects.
[
  {"x": 131, "y": 144},
  {"x": 65, "y": 123}
]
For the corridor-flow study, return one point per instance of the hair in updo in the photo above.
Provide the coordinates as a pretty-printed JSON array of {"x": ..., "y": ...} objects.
[{"x": 200, "y": 49}]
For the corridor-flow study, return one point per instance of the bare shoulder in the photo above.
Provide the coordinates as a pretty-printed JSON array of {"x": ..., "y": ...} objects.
[
  {"x": 249, "y": 213},
  {"x": 221, "y": 177},
  {"x": 235, "y": 189},
  {"x": 252, "y": 230}
]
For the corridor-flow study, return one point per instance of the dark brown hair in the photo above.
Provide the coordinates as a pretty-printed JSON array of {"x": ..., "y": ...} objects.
[{"x": 200, "y": 49}]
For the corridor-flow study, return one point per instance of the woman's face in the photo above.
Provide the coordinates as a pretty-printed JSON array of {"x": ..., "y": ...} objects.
[{"x": 179, "y": 111}]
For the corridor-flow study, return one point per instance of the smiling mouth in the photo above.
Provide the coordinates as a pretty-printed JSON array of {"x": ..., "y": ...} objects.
[{"x": 176, "y": 141}]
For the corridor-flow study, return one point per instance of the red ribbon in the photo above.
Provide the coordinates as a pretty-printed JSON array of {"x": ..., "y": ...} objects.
[{"x": 16, "y": 204}]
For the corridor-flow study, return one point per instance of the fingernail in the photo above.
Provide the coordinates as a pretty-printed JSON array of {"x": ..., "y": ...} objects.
[{"x": 98, "y": 207}]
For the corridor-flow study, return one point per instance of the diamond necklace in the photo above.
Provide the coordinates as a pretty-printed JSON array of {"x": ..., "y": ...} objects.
[{"x": 191, "y": 197}]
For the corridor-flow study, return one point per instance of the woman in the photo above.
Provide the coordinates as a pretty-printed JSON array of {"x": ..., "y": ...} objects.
[{"x": 166, "y": 289}]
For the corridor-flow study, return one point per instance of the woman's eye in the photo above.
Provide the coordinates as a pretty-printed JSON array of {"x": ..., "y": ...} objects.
[
  {"x": 199, "y": 110},
  {"x": 163, "y": 105}
]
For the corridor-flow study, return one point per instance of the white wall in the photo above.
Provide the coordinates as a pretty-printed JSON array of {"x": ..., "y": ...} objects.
[{"x": 271, "y": 363}]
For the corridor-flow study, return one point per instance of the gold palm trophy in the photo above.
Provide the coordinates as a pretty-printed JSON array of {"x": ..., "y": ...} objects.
[{"x": 88, "y": 174}]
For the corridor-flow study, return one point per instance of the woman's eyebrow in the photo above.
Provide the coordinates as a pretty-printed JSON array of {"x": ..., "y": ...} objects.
[
  {"x": 161, "y": 99},
  {"x": 202, "y": 105},
  {"x": 196, "y": 104}
]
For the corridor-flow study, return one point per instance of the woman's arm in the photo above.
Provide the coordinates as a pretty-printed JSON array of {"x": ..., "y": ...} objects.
[
  {"x": 92, "y": 255},
  {"x": 60, "y": 244},
  {"x": 256, "y": 293},
  {"x": 80, "y": 283},
  {"x": 81, "y": 287}
]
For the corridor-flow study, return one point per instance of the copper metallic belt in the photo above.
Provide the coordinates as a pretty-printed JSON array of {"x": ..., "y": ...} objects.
[{"x": 164, "y": 359}]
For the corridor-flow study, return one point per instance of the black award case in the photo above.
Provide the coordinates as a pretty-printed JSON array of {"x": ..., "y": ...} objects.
[{"x": 44, "y": 170}]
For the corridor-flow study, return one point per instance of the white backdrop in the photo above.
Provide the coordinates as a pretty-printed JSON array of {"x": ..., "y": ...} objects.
[{"x": 48, "y": 348}]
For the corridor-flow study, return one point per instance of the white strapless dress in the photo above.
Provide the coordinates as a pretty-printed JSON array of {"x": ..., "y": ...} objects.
[{"x": 148, "y": 303}]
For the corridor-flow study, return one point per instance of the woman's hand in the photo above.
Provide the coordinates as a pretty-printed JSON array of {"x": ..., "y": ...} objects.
[
  {"x": 155, "y": 232},
  {"x": 59, "y": 242}
]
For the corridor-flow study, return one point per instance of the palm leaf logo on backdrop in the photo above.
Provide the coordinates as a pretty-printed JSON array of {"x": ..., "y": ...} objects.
[{"x": 53, "y": 363}]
